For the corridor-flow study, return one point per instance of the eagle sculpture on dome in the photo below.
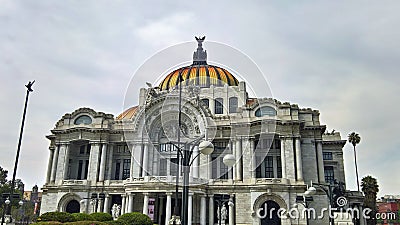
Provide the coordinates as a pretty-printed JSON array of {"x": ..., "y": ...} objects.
[{"x": 200, "y": 39}]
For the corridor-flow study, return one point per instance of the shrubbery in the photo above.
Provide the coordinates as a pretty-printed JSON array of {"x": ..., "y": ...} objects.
[
  {"x": 63, "y": 218},
  {"x": 99, "y": 216},
  {"x": 135, "y": 218},
  {"x": 56, "y": 216},
  {"x": 114, "y": 222},
  {"x": 47, "y": 223},
  {"x": 82, "y": 217},
  {"x": 85, "y": 223}
]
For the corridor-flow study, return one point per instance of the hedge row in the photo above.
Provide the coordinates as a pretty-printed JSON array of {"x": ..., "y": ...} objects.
[{"x": 55, "y": 218}]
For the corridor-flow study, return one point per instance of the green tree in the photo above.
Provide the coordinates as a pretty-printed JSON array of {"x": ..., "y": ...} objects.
[
  {"x": 355, "y": 139},
  {"x": 370, "y": 188},
  {"x": 5, "y": 187}
]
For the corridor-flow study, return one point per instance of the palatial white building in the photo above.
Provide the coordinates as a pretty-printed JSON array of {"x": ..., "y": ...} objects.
[{"x": 279, "y": 147}]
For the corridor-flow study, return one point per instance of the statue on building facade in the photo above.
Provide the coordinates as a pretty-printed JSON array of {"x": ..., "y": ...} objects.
[{"x": 115, "y": 211}]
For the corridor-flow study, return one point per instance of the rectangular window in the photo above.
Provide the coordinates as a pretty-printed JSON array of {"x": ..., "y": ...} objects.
[
  {"x": 163, "y": 167},
  {"x": 223, "y": 169},
  {"x": 269, "y": 167},
  {"x": 279, "y": 167},
  {"x": 173, "y": 167},
  {"x": 80, "y": 166},
  {"x": 327, "y": 155},
  {"x": 117, "y": 170},
  {"x": 82, "y": 149},
  {"x": 126, "y": 169},
  {"x": 219, "y": 106},
  {"x": 86, "y": 169},
  {"x": 233, "y": 104},
  {"x": 277, "y": 144},
  {"x": 329, "y": 174},
  {"x": 258, "y": 169},
  {"x": 88, "y": 147}
]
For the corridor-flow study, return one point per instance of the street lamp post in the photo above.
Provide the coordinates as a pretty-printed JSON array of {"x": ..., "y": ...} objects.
[
  {"x": 21, "y": 204},
  {"x": 303, "y": 200},
  {"x": 28, "y": 90},
  {"x": 6, "y": 202},
  {"x": 229, "y": 160},
  {"x": 329, "y": 189}
]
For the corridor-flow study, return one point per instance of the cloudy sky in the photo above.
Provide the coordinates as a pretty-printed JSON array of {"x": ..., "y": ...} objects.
[{"x": 340, "y": 57}]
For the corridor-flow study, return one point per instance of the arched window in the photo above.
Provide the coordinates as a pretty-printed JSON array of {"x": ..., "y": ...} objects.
[
  {"x": 233, "y": 104},
  {"x": 219, "y": 106},
  {"x": 73, "y": 207},
  {"x": 83, "y": 120},
  {"x": 265, "y": 111}
]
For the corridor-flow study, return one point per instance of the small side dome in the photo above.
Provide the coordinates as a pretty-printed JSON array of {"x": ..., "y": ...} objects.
[{"x": 128, "y": 114}]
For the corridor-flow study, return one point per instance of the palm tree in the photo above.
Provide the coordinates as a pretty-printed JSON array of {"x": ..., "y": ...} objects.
[
  {"x": 355, "y": 139},
  {"x": 370, "y": 188}
]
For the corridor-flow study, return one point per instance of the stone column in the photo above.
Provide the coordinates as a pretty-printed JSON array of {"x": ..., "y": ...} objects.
[
  {"x": 123, "y": 204},
  {"x": 49, "y": 165},
  {"x": 100, "y": 205},
  {"x": 253, "y": 159},
  {"x": 190, "y": 208},
  {"x": 130, "y": 202},
  {"x": 160, "y": 209},
  {"x": 321, "y": 175},
  {"x": 136, "y": 160},
  {"x": 110, "y": 161},
  {"x": 232, "y": 144},
  {"x": 238, "y": 159},
  {"x": 156, "y": 161},
  {"x": 203, "y": 210},
  {"x": 106, "y": 208},
  {"x": 103, "y": 162},
  {"x": 283, "y": 157},
  {"x": 66, "y": 165},
  {"x": 145, "y": 203},
  {"x": 168, "y": 209},
  {"x": 54, "y": 164},
  {"x": 196, "y": 163},
  {"x": 209, "y": 167},
  {"x": 94, "y": 162},
  {"x": 299, "y": 161},
  {"x": 62, "y": 165},
  {"x": 145, "y": 160},
  {"x": 211, "y": 209},
  {"x": 231, "y": 211}
]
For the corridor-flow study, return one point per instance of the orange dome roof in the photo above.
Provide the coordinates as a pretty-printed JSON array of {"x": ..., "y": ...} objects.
[
  {"x": 199, "y": 73},
  {"x": 128, "y": 114}
]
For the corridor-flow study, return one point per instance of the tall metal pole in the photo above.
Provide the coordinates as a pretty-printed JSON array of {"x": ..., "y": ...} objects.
[
  {"x": 28, "y": 90},
  {"x": 176, "y": 208}
]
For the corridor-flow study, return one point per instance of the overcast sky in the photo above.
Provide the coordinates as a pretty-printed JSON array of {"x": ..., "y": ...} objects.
[{"x": 339, "y": 57}]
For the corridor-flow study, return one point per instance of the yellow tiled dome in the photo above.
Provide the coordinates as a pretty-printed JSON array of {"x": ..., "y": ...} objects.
[{"x": 199, "y": 73}]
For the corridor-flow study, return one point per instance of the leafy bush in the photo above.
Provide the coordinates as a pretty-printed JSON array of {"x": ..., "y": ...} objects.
[
  {"x": 99, "y": 216},
  {"x": 47, "y": 223},
  {"x": 115, "y": 222},
  {"x": 56, "y": 216},
  {"x": 82, "y": 217},
  {"x": 85, "y": 223},
  {"x": 135, "y": 218}
]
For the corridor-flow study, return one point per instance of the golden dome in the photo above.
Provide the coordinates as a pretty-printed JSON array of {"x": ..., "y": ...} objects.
[
  {"x": 199, "y": 73},
  {"x": 128, "y": 114}
]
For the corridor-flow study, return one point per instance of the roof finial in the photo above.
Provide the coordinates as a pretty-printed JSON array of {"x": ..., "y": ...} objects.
[{"x": 200, "y": 56}]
